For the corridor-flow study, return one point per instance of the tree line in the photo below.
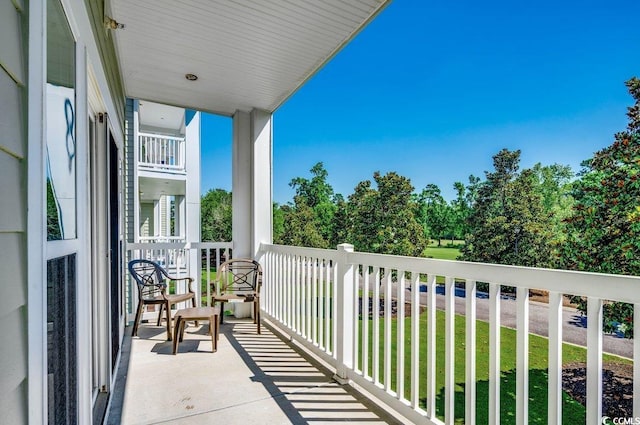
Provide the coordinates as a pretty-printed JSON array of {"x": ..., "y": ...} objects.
[{"x": 543, "y": 216}]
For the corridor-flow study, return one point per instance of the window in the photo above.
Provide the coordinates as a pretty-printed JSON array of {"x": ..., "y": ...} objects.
[{"x": 61, "y": 125}]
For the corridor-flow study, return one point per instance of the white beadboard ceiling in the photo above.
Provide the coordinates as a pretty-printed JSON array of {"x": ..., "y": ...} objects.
[{"x": 246, "y": 53}]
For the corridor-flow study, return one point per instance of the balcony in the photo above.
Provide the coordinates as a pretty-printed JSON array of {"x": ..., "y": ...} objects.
[
  {"x": 161, "y": 153},
  {"x": 407, "y": 332}
]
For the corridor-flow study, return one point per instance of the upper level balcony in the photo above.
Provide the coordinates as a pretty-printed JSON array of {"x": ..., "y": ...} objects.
[{"x": 161, "y": 153}]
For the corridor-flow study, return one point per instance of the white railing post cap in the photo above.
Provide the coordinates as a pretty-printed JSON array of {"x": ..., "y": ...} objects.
[{"x": 347, "y": 247}]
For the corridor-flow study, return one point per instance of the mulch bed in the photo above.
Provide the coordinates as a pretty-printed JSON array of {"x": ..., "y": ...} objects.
[{"x": 617, "y": 387}]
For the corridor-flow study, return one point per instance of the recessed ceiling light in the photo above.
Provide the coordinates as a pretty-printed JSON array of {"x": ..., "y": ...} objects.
[{"x": 191, "y": 77}]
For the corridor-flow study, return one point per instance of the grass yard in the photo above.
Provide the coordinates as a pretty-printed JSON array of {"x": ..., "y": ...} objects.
[
  {"x": 573, "y": 412},
  {"x": 206, "y": 278},
  {"x": 441, "y": 253}
]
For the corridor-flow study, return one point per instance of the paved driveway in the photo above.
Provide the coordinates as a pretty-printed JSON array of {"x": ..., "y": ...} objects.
[{"x": 574, "y": 328}]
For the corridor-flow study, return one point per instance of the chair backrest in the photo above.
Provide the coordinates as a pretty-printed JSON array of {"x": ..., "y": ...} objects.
[
  {"x": 149, "y": 277},
  {"x": 239, "y": 275}
]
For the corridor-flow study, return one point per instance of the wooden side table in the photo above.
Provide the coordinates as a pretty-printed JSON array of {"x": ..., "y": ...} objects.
[{"x": 211, "y": 314}]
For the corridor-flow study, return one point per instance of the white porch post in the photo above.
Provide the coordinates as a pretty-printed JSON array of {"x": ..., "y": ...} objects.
[
  {"x": 252, "y": 171},
  {"x": 190, "y": 205},
  {"x": 344, "y": 320}
]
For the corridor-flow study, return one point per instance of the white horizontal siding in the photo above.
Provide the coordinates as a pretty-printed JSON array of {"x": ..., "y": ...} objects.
[
  {"x": 13, "y": 405},
  {"x": 13, "y": 367},
  {"x": 12, "y": 190},
  {"x": 12, "y": 270},
  {"x": 11, "y": 132},
  {"x": 13, "y": 211},
  {"x": 11, "y": 47}
]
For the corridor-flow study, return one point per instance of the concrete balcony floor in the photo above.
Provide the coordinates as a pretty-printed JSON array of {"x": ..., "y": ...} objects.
[{"x": 251, "y": 379}]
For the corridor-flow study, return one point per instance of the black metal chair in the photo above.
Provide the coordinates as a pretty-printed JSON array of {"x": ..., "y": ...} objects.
[
  {"x": 153, "y": 283},
  {"x": 238, "y": 280}
]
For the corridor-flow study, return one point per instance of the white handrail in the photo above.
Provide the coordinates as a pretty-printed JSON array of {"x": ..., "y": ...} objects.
[{"x": 325, "y": 312}]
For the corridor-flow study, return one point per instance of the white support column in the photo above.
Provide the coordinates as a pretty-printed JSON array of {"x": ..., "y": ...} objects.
[
  {"x": 136, "y": 182},
  {"x": 344, "y": 326},
  {"x": 190, "y": 205},
  {"x": 252, "y": 171}
]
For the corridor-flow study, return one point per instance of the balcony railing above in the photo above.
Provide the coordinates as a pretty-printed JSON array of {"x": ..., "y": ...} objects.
[{"x": 161, "y": 153}]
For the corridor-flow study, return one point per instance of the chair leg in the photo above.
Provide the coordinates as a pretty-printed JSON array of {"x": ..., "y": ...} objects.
[
  {"x": 213, "y": 323},
  {"x": 160, "y": 314},
  {"x": 257, "y": 304},
  {"x": 136, "y": 322},
  {"x": 177, "y": 332},
  {"x": 168, "y": 307},
  {"x": 221, "y": 312},
  {"x": 193, "y": 303},
  {"x": 183, "y": 324}
]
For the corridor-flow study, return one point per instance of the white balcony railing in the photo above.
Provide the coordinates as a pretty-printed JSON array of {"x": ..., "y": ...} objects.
[
  {"x": 323, "y": 298},
  {"x": 198, "y": 260},
  {"x": 351, "y": 309},
  {"x": 161, "y": 153},
  {"x": 161, "y": 239}
]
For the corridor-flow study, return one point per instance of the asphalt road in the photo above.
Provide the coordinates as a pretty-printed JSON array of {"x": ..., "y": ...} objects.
[{"x": 574, "y": 328}]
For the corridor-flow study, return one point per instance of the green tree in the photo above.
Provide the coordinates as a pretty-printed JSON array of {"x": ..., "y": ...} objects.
[
  {"x": 554, "y": 183},
  {"x": 216, "y": 216},
  {"x": 382, "y": 219},
  {"x": 434, "y": 213},
  {"x": 604, "y": 229},
  {"x": 316, "y": 194},
  {"x": 340, "y": 222},
  {"x": 508, "y": 224},
  {"x": 278, "y": 223},
  {"x": 300, "y": 227}
]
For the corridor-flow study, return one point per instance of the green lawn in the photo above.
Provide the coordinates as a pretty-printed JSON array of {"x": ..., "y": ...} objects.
[
  {"x": 206, "y": 278},
  {"x": 442, "y": 253},
  {"x": 573, "y": 412}
]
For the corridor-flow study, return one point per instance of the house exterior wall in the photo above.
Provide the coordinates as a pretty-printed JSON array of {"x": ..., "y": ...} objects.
[
  {"x": 106, "y": 49},
  {"x": 24, "y": 249},
  {"x": 13, "y": 213},
  {"x": 130, "y": 176}
]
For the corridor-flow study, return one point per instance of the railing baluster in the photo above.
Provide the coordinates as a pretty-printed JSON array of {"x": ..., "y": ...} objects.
[
  {"x": 636, "y": 361},
  {"x": 555, "y": 359},
  {"x": 298, "y": 286},
  {"x": 522, "y": 357},
  {"x": 208, "y": 275},
  {"x": 280, "y": 277},
  {"x": 288, "y": 298},
  {"x": 415, "y": 339},
  {"x": 431, "y": 346},
  {"x": 327, "y": 307},
  {"x": 450, "y": 351},
  {"x": 376, "y": 325},
  {"x": 494, "y": 353},
  {"x": 400, "y": 335},
  {"x": 307, "y": 315},
  {"x": 355, "y": 319},
  {"x": 314, "y": 298},
  {"x": 594, "y": 361},
  {"x": 321, "y": 302},
  {"x": 387, "y": 329},
  {"x": 365, "y": 320},
  {"x": 334, "y": 308},
  {"x": 470, "y": 352}
]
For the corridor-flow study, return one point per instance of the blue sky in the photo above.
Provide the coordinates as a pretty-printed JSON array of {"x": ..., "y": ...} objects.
[{"x": 433, "y": 89}]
